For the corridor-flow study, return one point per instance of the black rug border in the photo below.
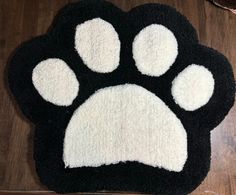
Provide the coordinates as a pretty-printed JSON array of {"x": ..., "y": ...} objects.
[{"x": 51, "y": 120}]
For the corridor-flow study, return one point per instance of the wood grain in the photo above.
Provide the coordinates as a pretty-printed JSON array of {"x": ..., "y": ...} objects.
[{"x": 21, "y": 20}]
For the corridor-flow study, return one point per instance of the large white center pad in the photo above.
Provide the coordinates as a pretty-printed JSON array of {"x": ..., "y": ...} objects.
[{"x": 125, "y": 123}]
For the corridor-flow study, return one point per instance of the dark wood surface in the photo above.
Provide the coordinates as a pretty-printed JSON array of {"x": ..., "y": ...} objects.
[{"x": 21, "y": 20}]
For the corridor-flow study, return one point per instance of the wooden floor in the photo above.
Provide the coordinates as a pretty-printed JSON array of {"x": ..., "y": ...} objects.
[{"x": 21, "y": 20}]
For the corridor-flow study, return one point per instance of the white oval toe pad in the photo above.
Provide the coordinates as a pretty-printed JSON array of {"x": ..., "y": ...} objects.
[
  {"x": 193, "y": 87},
  {"x": 98, "y": 44},
  {"x": 55, "y": 82},
  {"x": 155, "y": 49}
]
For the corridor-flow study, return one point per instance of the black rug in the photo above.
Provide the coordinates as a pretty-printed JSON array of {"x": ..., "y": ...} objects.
[{"x": 121, "y": 101}]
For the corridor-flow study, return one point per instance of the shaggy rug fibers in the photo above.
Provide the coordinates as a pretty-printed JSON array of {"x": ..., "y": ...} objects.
[{"x": 121, "y": 101}]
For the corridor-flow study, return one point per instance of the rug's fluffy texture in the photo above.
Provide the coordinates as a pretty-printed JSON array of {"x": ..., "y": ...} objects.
[{"x": 121, "y": 101}]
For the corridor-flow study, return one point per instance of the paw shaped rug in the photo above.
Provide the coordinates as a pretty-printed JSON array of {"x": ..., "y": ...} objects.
[{"x": 121, "y": 101}]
